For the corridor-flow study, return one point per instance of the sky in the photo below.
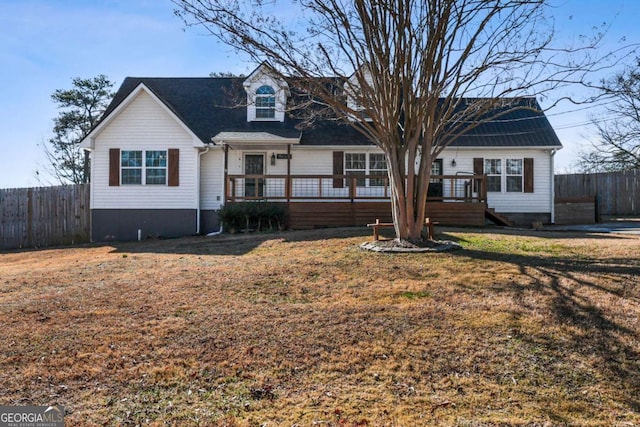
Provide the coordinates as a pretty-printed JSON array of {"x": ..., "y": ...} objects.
[{"x": 44, "y": 44}]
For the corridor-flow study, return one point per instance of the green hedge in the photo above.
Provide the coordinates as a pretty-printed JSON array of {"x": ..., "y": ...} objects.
[{"x": 254, "y": 216}]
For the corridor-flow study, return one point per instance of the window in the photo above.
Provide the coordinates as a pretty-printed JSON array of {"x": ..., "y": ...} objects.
[
  {"x": 354, "y": 102},
  {"x": 377, "y": 166},
  {"x": 436, "y": 169},
  {"x": 493, "y": 170},
  {"x": 154, "y": 171},
  {"x": 265, "y": 103},
  {"x": 356, "y": 164},
  {"x": 361, "y": 164},
  {"x": 511, "y": 177},
  {"x": 131, "y": 164},
  {"x": 514, "y": 175},
  {"x": 156, "y": 167}
]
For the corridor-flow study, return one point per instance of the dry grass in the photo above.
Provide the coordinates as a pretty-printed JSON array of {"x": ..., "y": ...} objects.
[{"x": 300, "y": 328}]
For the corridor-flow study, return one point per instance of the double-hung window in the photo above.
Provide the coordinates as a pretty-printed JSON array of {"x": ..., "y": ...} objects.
[
  {"x": 131, "y": 167},
  {"x": 265, "y": 103},
  {"x": 378, "y": 167},
  {"x": 355, "y": 164},
  {"x": 150, "y": 171},
  {"x": 156, "y": 167},
  {"x": 514, "y": 175},
  {"x": 493, "y": 170}
]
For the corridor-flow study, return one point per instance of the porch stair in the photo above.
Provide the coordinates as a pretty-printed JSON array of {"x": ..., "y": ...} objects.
[{"x": 494, "y": 216}]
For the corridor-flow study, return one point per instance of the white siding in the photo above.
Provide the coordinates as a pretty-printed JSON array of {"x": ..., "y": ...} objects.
[
  {"x": 539, "y": 201},
  {"x": 144, "y": 125},
  {"x": 312, "y": 162},
  {"x": 212, "y": 179},
  {"x": 319, "y": 161}
]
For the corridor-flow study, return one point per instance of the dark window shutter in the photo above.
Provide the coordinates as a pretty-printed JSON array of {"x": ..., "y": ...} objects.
[
  {"x": 478, "y": 169},
  {"x": 528, "y": 175},
  {"x": 114, "y": 167},
  {"x": 174, "y": 167},
  {"x": 338, "y": 168},
  {"x": 478, "y": 166}
]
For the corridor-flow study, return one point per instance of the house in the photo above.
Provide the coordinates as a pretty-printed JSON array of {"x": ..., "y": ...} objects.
[{"x": 169, "y": 152}]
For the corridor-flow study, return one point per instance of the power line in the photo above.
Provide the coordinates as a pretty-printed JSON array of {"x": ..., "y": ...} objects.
[{"x": 580, "y": 109}]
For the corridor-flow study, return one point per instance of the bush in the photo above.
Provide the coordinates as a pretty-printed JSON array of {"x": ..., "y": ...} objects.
[{"x": 254, "y": 216}]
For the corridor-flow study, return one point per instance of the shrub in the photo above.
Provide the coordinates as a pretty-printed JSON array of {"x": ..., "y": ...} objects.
[{"x": 254, "y": 216}]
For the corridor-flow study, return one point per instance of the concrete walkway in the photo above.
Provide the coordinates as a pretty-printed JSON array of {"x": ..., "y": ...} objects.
[{"x": 625, "y": 226}]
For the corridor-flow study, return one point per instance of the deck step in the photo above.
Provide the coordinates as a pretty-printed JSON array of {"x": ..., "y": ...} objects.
[{"x": 497, "y": 218}]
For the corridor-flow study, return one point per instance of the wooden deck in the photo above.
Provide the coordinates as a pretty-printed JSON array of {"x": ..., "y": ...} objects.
[
  {"x": 319, "y": 214},
  {"x": 339, "y": 200},
  {"x": 306, "y": 215}
]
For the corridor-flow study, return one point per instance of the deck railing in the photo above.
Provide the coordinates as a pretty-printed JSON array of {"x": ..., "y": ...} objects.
[{"x": 449, "y": 188}]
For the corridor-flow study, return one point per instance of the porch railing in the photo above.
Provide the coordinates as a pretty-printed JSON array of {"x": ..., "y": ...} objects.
[{"x": 448, "y": 188}]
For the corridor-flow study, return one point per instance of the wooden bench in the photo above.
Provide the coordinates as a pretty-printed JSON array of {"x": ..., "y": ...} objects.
[{"x": 377, "y": 225}]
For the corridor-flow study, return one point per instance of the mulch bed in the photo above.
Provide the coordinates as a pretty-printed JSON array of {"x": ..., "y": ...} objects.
[{"x": 404, "y": 246}]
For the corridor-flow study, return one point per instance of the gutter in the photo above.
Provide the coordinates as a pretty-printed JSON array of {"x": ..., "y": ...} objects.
[{"x": 552, "y": 154}]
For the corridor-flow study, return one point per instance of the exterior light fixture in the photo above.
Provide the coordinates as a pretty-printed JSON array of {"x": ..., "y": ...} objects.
[
  {"x": 453, "y": 163},
  {"x": 273, "y": 159}
]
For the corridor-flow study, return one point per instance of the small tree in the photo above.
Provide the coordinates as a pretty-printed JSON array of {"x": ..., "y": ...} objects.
[
  {"x": 423, "y": 71},
  {"x": 618, "y": 146},
  {"x": 224, "y": 74},
  {"x": 81, "y": 108}
]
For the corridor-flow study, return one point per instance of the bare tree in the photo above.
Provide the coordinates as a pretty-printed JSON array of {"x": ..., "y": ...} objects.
[
  {"x": 618, "y": 146},
  {"x": 423, "y": 71},
  {"x": 81, "y": 108}
]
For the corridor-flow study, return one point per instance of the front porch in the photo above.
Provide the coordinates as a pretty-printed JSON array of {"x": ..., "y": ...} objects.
[{"x": 355, "y": 200}]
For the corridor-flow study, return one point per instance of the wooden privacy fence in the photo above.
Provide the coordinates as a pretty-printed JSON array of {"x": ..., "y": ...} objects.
[
  {"x": 616, "y": 193},
  {"x": 46, "y": 216}
]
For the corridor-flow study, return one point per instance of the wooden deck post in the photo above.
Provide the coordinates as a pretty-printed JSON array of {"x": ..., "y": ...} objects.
[
  {"x": 232, "y": 196},
  {"x": 352, "y": 188},
  {"x": 287, "y": 185}
]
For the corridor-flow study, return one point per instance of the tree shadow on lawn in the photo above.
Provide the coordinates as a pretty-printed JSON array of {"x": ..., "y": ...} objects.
[{"x": 581, "y": 330}]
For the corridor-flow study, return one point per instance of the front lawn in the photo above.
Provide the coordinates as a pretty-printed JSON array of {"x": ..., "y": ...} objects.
[{"x": 304, "y": 328}]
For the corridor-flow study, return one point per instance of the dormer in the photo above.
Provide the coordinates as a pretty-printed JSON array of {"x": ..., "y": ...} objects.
[
  {"x": 354, "y": 94},
  {"x": 266, "y": 95}
]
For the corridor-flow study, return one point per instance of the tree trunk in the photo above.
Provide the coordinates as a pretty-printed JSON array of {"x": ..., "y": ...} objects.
[{"x": 408, "y": 198}]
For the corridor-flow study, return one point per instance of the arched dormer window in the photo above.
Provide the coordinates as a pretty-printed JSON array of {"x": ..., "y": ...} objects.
[
  {"x": 265, "y": 102},
  {"x": 266, "y": 95}
]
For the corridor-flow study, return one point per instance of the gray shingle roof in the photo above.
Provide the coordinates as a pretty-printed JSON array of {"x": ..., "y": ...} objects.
[{"x": 209, "y": 106}]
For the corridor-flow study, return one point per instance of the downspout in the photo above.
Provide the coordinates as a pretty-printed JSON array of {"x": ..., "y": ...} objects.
[
  {"x": 200, "y": 154},
  {"x": 552, "y": 154}
]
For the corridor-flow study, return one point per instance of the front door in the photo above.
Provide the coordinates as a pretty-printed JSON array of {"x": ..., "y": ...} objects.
[
  {"x": 435, "y": 185},
  {"x": 254, "y": 165}
]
